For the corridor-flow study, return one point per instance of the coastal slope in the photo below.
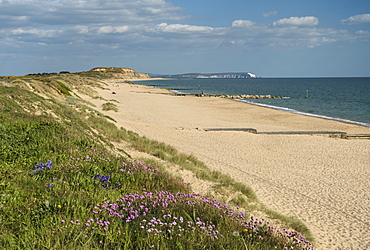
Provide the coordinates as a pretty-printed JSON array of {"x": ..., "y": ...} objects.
[{"x": 321, "y": 180}]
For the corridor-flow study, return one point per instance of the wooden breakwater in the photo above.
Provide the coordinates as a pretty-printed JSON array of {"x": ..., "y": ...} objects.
[
  {"x": 233, "y": 96},
  {"x": 332, "y": 134}
]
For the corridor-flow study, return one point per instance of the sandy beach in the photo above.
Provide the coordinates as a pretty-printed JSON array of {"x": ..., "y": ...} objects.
[{"x": 322, "y": 181}]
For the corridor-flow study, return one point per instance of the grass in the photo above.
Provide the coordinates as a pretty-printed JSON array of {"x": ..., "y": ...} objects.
[
  {"x": 63, "y": 187},
  {"x": 110, "y": 106}
]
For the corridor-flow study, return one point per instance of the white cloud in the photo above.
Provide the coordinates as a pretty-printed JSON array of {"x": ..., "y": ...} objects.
[
  {"x": 298, "y": 21},
  {"x": 268, "y": 14},
  {"x": 35, "y": 32},
  {"x": 364, "y": 18},
  {"x": 243, "y": 23},
  {"x": 81, "y": 29},
  {"x": 182, "y": 28},
  {"x": 113, "y": 29}
]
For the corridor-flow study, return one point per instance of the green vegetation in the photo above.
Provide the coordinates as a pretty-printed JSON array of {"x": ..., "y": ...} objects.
[
  {"x": 63, "y": 185},
  {"x": 63, "y": 89},
  {"x": 110, "y": 106}
]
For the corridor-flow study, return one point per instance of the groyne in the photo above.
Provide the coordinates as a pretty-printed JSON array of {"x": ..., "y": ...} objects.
[
  {"x": 332, "y": 134},
  {"x": 232, "y": 96}
]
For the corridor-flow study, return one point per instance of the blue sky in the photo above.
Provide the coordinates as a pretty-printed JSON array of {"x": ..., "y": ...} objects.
[{"x": 285, "y": 38}]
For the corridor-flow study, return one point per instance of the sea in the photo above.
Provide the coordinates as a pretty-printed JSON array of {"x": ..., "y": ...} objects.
[{"x": 340, "y": 99}]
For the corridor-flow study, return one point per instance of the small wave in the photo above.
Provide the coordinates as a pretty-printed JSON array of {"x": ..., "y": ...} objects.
[
  {"x": 179, "y": 92},
  {"x": 304, "y": 113},
  {"x": 171, "y": 90}
]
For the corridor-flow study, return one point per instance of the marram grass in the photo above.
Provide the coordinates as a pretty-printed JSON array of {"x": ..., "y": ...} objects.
[{"x": 110, "y": 106}]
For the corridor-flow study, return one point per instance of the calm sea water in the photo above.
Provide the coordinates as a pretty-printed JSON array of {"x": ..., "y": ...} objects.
[{"x": 344, "y": 99}]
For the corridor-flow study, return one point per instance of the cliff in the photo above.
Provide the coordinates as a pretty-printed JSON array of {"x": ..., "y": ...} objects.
[
  {"x": 65, "y": 84},
  {"x": 117, "y": 72}
]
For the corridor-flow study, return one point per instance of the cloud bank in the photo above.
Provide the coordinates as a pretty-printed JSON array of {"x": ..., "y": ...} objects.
[
  {"x": 113, "y": 27},
  {"x": 147, "y": 24}
]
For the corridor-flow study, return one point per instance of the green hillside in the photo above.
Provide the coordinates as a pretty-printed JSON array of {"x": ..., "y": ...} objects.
[{"x": 63, "y": 184}]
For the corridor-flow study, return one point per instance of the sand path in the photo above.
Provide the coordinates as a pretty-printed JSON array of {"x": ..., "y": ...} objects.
[{"x": 322, "y": 181}]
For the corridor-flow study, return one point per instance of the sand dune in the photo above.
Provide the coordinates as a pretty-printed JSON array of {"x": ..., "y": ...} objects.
[{"x": 322, "y": 181}]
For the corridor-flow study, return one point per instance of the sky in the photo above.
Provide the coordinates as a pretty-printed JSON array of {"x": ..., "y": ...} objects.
[{"x": 269, "y": 38}]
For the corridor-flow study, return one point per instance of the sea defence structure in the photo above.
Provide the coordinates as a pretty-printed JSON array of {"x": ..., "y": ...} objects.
[
  {"x": 332, "y": 134},
  {"x": 233, "y": 96}
]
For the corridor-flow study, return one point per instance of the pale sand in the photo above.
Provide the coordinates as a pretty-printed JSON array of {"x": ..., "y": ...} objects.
[{"x": 322, "y": 181}]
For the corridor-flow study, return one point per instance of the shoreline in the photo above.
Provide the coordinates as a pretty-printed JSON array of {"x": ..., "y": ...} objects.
[
  {"x": 251, "y": 98},
  {"x": 320, "y": 180},
  {"x": 308, "y": 114}
]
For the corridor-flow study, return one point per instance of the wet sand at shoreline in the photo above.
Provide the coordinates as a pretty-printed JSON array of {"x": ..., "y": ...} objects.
[{"x": 320, "y": 180}]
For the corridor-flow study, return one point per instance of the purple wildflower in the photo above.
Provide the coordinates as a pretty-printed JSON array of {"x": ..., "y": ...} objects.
[
  {"x": 40, "y": 165},
  {"x": 105, "y": 178},
  {"x": 48, "y": 165}
]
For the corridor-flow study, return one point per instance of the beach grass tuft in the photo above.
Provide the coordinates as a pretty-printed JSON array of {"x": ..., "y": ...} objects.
[{"x": 110, "y": 106}]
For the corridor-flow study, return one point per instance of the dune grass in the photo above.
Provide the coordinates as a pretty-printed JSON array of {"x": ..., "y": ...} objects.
[
  {"x": 61, "y": 187},
  {"x": 110, "y": 106}
]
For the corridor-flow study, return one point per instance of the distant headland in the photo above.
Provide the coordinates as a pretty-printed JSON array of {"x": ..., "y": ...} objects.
[{"x": 211, "y": 75}]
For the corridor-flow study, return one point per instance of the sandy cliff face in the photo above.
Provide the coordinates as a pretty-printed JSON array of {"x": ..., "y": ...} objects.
[{"x": 117, "y": 72}]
